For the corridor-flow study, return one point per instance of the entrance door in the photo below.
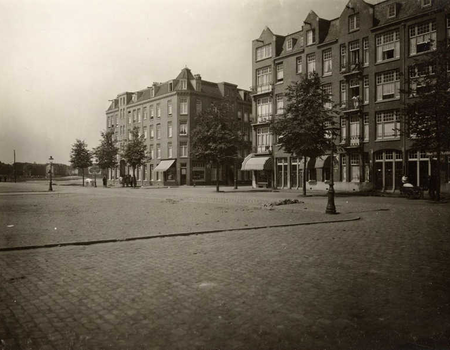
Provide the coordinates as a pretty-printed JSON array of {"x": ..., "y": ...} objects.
[
  {"x": 379, "y": 175},
  {"x": 388, "y": 176},
  {"x": 183, "y": 174}
]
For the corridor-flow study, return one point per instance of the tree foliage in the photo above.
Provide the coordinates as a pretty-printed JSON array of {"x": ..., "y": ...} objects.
[
  {"x": 134, "y": 151},
  {"x": 304, "y": 128},
  {"x": 107, "y": 151},
  {"x": 216, "y": 137},
  {"x": 427, "y": 111},
  {"x": 80, "y": 156}
]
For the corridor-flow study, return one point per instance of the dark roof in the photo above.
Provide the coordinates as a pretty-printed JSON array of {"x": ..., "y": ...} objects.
[
  {"x": 333, "y": 31},
  {"x": 210, "y": 88}
]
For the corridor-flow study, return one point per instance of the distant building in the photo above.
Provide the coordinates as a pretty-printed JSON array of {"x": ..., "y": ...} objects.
[
  {"x": 165, "y": 114},
  {"x": 365, "y": 58}
]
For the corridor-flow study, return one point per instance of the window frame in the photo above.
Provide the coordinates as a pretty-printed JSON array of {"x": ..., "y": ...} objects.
[
  {"x": 352, "y": 27},
  {"x": 299, "y": 64},
  {"x": 266, "y": 51},
  {"x": 382, "y": 79},
  {"x": 327, "y": 62},
  {"x": 384, "y": 44}
]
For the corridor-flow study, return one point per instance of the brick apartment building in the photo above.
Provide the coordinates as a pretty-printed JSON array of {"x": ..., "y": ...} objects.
[
  {"x": 365, "y": 57},
  {"x": 165, "y": 114}
]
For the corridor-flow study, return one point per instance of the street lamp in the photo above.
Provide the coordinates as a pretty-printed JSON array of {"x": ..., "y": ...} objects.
[
  {"x": 331, "y": 208},
  {"x": 95, "y": 171},
  {"x": 50, "y": 186}
]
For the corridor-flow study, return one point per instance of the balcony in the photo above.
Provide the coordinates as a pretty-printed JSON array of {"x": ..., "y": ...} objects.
[
  {"x": 352, "y": 105},
  {"x": 262, "y": 89},
  {"x": 350, "y": 69},
  {"x": 263, "y": 119},
  {"x": 355, "y": 140},
  {"x": 263, "y": 149}
]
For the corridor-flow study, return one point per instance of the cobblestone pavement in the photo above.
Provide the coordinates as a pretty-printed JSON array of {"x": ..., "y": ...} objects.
[{"x": 382, "y": 282}]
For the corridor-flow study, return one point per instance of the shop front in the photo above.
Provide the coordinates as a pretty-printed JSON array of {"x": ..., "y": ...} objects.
[
  {"x": 261, "y": 168},
  {"x": 166, "y": 171}
]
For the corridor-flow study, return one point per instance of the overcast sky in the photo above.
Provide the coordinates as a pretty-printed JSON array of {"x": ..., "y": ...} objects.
[{"x": 62, "y": 60}]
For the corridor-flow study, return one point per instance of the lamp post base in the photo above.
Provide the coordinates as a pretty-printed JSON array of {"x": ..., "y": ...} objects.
[{"x": 331, "y": 208}]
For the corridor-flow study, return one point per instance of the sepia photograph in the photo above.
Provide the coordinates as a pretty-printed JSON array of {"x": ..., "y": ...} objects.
[{"x": 224, "y": 174}]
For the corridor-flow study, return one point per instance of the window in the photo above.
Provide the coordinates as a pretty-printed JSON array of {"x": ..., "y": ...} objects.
[
  {"x": 354, "y": 130},
  {"x": 366, "y": 89},
  {"x": 129, "y": 117},
  {"x": 183, "y": 149},
  {"x": 245, "y": 117},
  {"x": 152, "y": 92},
  {"x": 169, "y": 129},
  {"x": 388, "y": 85},
  {"x": 366, "y": 128},
  {"x": 152, "y": 152},
  {"x": 343, "y": 94},
  {"x": 139, "y": 115},
  {"x": 354, "y": 52},
  {"x": 183, "y": 84},
  {"x": 263, "y": 52},
  {"x": 169, "y": 107},
  {"x": 416, "y": 77},
  {"x": 422, "y": 37},
  {"x": 354, "y": 168},
  {"x": 310, "y": 37},
  {"x": 289, "y": 45},
  {"x": 343, "y": 130},
  {"x": 344, "y": 167},
  {"x": 264, "y": 140},
  {"x": 183, "y": 128},
  {"x": 183, "y": 106},
  {"x": 158, "y": 131},
  {"x": 280, "y": 104},
  {"x": 152, "y": 178},
  {"x": 145, "y": 132},
  {"x": 264, "y": 79},
  {"x": 392, "y": 10},
  {"x": 152, "y": 112},
  {"x": 198, "y": 106},
  {"x": 171, "y": 86},
  {"x": 366, "y": 51},
  {"x": 169, "y": 150},
  {"x": 144, "y": 111},
  {"x": 134, "y": 115},
  {"x": 425, "y": 3},
  {"x": 280, "y": 73},
  {"x": 264, "y": 109},
  {"x": 327, "y": 90},
  {"x": 311, "y": 59},
  {"x": 152, "y": 134},
  {"x": 387, "y": 125},
  {"x": 158, "y": 151},
  {"x": 327, "y": 62},
  {"x": 239, "y": 115},
  {"x": 353, "y": 22},
  {"x": 158, "y": 111},
  {"x": 388, "y": 45},
  {"x": 354, "y": 93},
  {"x": 343, "y": 57},
  {"x": 299, "y": 65}
]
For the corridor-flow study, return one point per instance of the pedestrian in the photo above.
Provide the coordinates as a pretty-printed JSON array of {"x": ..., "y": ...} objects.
[
  {"x": 104, "y": 181},
  {"x": 432, "y": 186}
]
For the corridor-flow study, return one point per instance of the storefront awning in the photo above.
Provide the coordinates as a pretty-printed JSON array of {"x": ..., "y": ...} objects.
[
  {"x": 164, "y": 165},
  {"x": 257, "y": 163}
]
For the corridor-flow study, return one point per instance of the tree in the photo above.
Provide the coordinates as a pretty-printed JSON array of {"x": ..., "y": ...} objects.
[
  {"x": 304, "y": 128},
  {"x": 427, "y": 112},
  {"x": 215, "y": 137},
  {"x": 107, "y": 151},
  {"x": 135, "y": 151},
  {"x": 80, "y": 156}
]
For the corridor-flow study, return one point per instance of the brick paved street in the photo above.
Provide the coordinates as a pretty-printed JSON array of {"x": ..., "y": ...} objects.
[{"x": 382, "y": 282}]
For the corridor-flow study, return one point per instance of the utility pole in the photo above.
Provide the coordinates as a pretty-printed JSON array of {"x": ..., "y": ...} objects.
[{"x": 14, "y": 166}]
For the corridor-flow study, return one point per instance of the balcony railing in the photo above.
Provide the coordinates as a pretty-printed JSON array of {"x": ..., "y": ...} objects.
[
  {"x": 263, "y": 149},
  {"x": 355, "y": 140},
  {"x": 260, "y": 89},
  {"x": 264, "y": 118}
]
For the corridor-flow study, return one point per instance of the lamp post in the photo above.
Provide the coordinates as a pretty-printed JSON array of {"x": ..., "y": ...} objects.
[
  {"x": 50, "y": 161},
  {"x": 95, "y": 171},
  {"x": 331, "y": 208}
]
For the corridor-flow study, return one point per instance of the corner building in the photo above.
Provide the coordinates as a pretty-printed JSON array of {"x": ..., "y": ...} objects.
[
  {"x": 165, "y": 114},
  {"x": 365, "y": 57}
]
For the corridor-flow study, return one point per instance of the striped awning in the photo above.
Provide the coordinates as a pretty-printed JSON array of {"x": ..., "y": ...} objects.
[
  {"x": 252, "y": 162},
  {"x": 164, "y": 165}
]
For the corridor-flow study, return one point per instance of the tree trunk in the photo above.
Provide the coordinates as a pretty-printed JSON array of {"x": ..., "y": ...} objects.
[
  {"x": 235, "y": 175},
  {"x": 217, "y": 176},
  {"x": 304, "y": 176},
  {"x": 438, "y": 176},
  {"x": 82, "y": 174},
  {"x": 134, "y": 177}
]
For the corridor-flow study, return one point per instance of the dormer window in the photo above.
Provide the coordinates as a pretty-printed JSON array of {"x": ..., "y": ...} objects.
[
  {"x": 392, "y": 10},
  {"x": 310, "y": 37},
  {"x": 170, "y": 86},
  {"x": 353, "y": 22},
  {"x": 183, "y": 84},
  {"x": 134, "y": 97},
  {"x": 425, "y": 3},
  {"x": 289, "y": 45},
  {"x": 152, "y": 92}
]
